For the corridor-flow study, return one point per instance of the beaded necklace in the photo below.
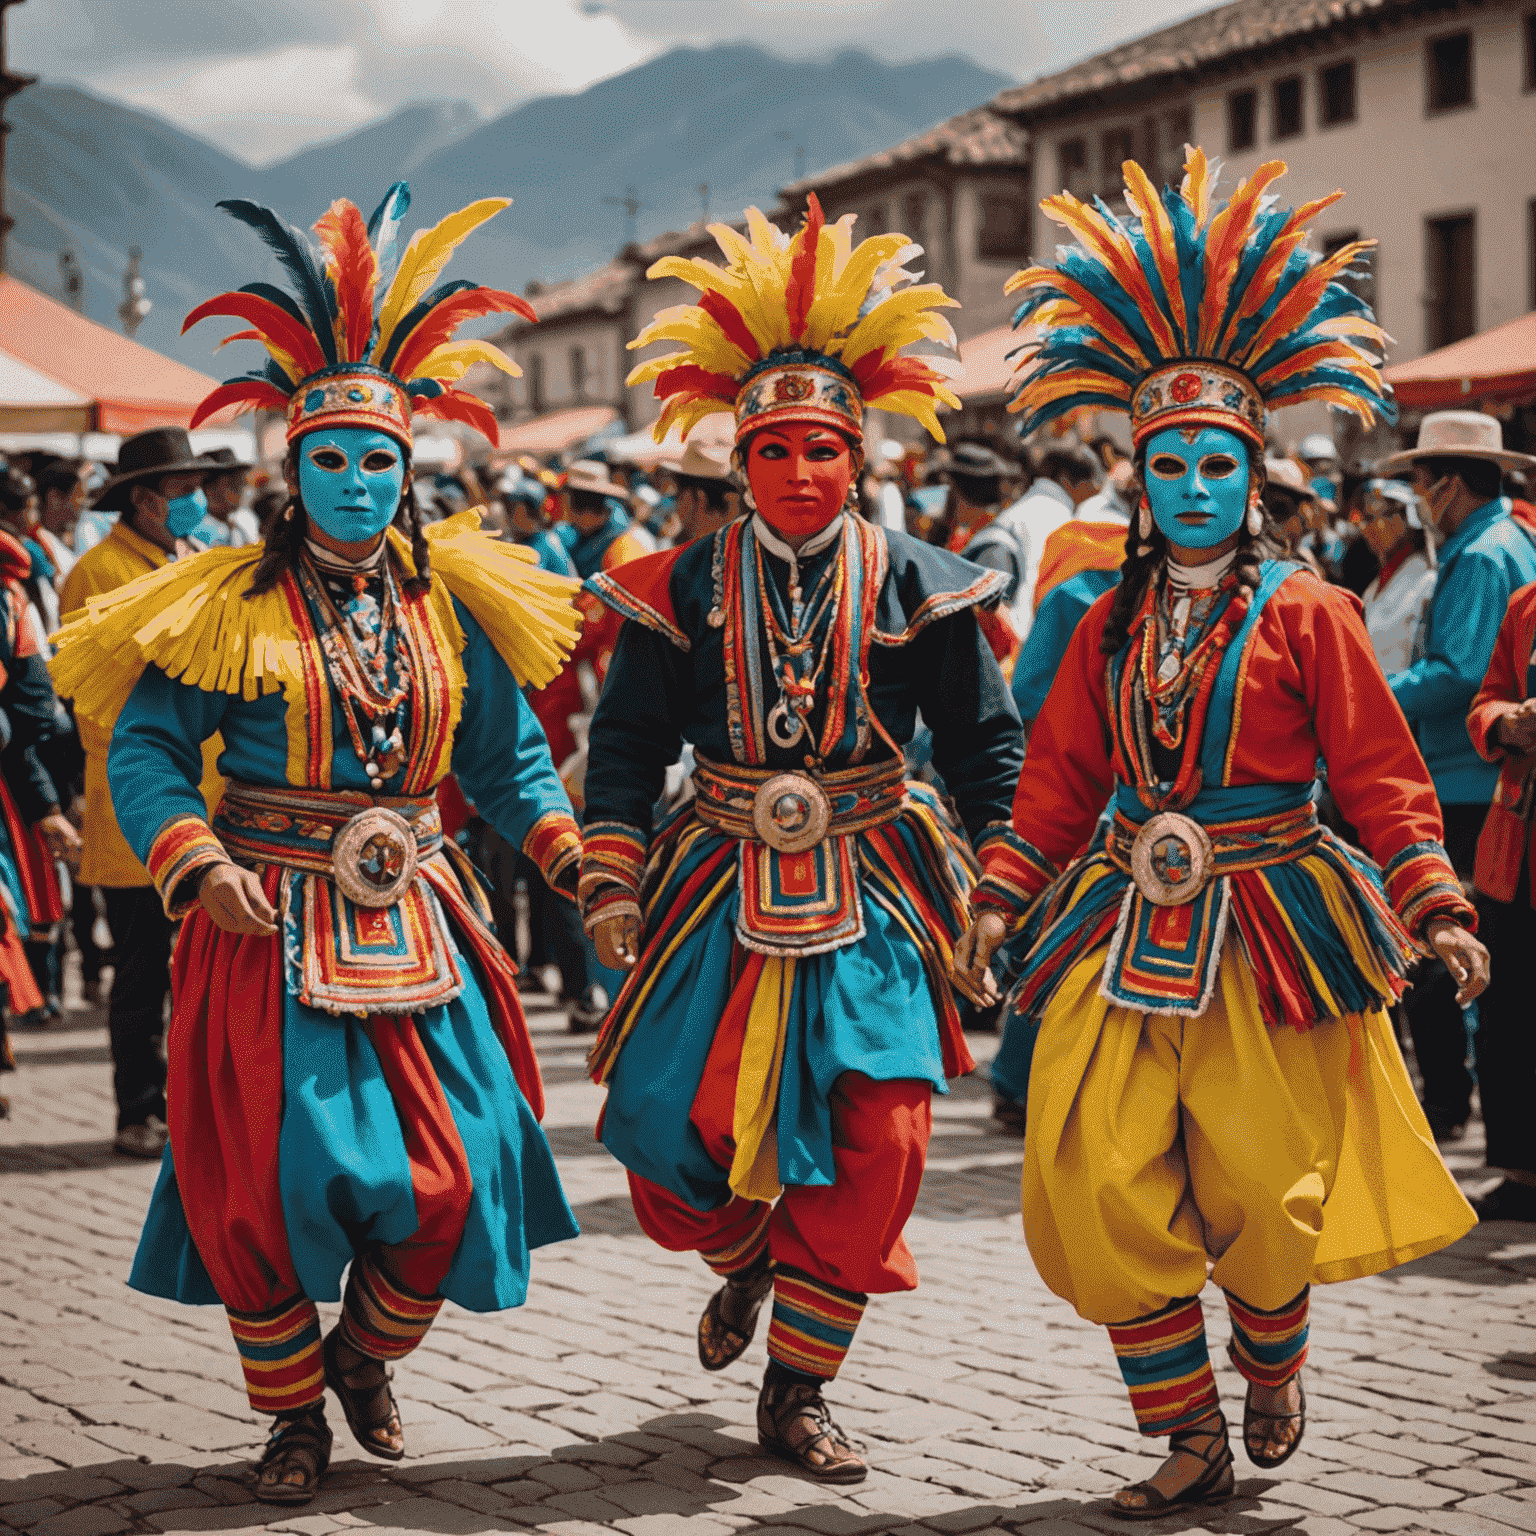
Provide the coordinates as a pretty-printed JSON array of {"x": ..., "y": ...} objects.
[
  {"x": 794, "y": 658},
  {"x": 1177, "y": 646},
  {"x": 352, "y": 641}
]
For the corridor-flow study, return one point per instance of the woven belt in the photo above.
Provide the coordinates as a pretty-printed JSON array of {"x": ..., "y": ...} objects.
[
  {"x": 371, "y": 847},
  {"x": 1172, "y": 857},
  {"x": 794, "y": 811}
]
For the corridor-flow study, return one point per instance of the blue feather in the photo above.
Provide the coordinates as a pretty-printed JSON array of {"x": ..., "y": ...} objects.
[
  {"x": 424, "y": 389},
  {"x": 274, "y": 295},
  {"x": 291, "y": 249},
  {"x": 384, "y": 230},
  {"x": 413, "y": 317}
]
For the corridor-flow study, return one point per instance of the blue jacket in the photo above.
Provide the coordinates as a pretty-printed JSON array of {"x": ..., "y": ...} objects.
[{"x": 1481, "y": 564}]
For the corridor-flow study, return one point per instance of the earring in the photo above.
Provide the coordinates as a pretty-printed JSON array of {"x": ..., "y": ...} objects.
[
  {"x": 1144, "y": 529},
  {"x": 288, "y": 513},
  {"x": 1255, "y": 519}
]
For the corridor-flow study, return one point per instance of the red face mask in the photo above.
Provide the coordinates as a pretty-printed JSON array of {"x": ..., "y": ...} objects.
[{"x": 799, "y": 474}]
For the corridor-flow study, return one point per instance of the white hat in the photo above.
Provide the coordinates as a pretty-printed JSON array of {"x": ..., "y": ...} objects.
[
  {"x": 704, "y": 461},
  {"x": 1457, "y": 435},
  {"x": 1286, "y": 475}
]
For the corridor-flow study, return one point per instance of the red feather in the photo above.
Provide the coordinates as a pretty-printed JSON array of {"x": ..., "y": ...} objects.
[
  {"x": 292, "y": 336},
  {"x": 699, "y": 381},
  {"x": 240, "y": 336},
  {"x": 248, "y": 394},
  {"x": 439, "y": 324},
  {"x": 896, "y": 373},
  {"x": 354, "y": 269},
  {"x": 801, "y": 291},
  {"x": 457, "y": 405},
  {"x": 728, "y": 318}
]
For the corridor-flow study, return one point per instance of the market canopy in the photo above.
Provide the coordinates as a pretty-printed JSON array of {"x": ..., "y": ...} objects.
[
  {"x": 985, "y": 361},
  {"x": 113, "y": 384},
  {"x": 1497, "y": 367},
  {"x": 30, "y": 401},
  {"x": 559, "y": 430}
]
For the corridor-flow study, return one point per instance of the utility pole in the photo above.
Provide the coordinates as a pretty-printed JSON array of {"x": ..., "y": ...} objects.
[
  {"x": 703, "y": 190},
  {"x": 631, "y": 205},
  {"x": 9, "y": 85},
  {"x": 787, "y": 137},
  {"x": 135, "y": 305},
  {"x": 73, "y": 279}
]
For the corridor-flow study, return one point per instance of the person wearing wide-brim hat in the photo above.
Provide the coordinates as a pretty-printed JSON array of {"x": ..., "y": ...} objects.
[
  {"x": 599, "y": 535},
  {"x": 229, "y": 521},
  {"x": 707, "y": 494},
  {"x": 1457, "y": 466},
  {"x": 156, "y": 490}
]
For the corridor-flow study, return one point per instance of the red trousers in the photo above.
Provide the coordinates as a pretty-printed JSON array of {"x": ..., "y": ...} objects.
[{"x": 848, "y": 1233}]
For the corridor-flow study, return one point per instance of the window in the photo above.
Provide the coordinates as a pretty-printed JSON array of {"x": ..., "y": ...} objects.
[
  {"x": 1450, "y": 305},
  {"x": 1448, "y": 66},
  {"x": 1242, "y": 120},
  {"x": 535, "y": 378},
  {"x": 1336, "y": 94},
  {"x": 1073, "y": 157},
  {"x": 1117, "y": 146},
  {"x": 914, "y": 211},
  {"x": 1006, "y": 233},
  {"x": 1178, "y": 130},
  {"x": 877, "y": 223},
  {"x": 1530, "y": 227},
  {"x": 579, "y": 372},
  {"x": 1364, "y": 274},
  {"x": 1285, "y": 108},
  {"x": 1528, "y": 29}
]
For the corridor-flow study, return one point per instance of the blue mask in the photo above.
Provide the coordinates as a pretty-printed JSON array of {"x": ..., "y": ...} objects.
[
  {"x": 350, "y": 480},
  {"x": 1198, "y": 489},
  {"x": 184, "y": 513}
]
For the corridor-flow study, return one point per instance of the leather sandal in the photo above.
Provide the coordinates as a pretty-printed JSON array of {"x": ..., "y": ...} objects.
[
  {"x": 1256, "y": 1426},
  {"x": 370, "y": 1407},
  {"x": 793, "y": 1422},
  {"x": 296, "y": 1456},
  {"x": 722, "y": 1342},
  {"x": 1217, "y": 1482}
]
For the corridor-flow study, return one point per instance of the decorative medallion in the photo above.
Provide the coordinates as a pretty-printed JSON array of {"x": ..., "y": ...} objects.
[
  {"x": 791, "y": 812},
  {"x": 374, "y": 857},
  {"x": 1185, "y": 387},
  {"x": 1172, "y": 860}
]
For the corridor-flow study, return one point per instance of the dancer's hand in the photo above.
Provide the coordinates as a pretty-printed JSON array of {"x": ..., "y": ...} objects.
[
  {"x": 234, "y": 899},
  {"x": 973, "y": 955},
  {"x": 1464, "y": 958},
  {"x": 1517, "y": 730},
  {"x": 618, "y": 941},
  {"x": 60, "y": 836}
]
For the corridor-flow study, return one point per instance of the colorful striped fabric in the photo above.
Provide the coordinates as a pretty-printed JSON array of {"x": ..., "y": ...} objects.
[
  {"x": 280, "y": 1355},
  {"x": 553, "y": 844},
  {"x": 1422, "y": 885},
  {"x": 1167, "y": 1368},
  {"x": 1268, "y": 1348},
  {"x": 813, "y": 1322},
  {"x": 182, "y": 846},
  {"x": 1016, "y": 873},
  {"x": 742, "y": 1254},
  {"x": 380, "y": 1317}
]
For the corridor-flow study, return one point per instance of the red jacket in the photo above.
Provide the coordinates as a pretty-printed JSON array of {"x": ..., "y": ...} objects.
[{"x": 1507, "y": 836}]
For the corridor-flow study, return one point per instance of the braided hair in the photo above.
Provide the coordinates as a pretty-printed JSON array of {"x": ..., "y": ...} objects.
[
  {"x": 285, "y": 536},
  {"x": 1139, "y": 570}
]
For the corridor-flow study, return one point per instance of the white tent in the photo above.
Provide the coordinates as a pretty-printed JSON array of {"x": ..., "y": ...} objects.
[{"x": 31, "y": 401}]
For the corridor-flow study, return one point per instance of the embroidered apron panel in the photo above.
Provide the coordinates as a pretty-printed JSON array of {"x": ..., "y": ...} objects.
[{"x": 799, "y": 903}]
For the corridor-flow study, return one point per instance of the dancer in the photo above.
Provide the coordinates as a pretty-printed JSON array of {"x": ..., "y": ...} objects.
[
  {"x": 1214, "y": 1077},
  {"x": 351, "y": 1079},
  {"x": 789, "y": 1011}
]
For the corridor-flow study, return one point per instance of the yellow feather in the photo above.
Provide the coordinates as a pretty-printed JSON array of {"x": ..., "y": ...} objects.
[
  {"x": 425, "y": 257},
  {"x": 454, "y": 359},
  {"x": 902, "y": 318}
]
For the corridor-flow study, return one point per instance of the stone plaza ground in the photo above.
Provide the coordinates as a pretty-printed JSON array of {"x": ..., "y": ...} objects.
[{"x": 983, "y": 1403}]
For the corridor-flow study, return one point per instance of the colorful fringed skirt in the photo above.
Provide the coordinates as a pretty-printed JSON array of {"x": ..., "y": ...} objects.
[
  {"x": 300, "y": 1137},
  {"x": 708, "y": 1019},
  {"x": 1219, "y": 1080}
]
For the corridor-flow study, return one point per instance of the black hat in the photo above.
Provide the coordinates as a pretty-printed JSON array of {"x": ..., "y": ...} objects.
[
  {"x": 977, "y": 461},
  {"x": 160, "y": 451},
  {"x": 227, "y": 461}
]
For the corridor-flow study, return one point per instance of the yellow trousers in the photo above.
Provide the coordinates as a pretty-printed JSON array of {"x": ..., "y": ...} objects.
[{"x": 1157, "y": 1143}]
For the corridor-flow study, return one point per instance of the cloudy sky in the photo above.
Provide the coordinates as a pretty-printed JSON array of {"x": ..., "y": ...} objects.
[{"x": 262, "y": 78}]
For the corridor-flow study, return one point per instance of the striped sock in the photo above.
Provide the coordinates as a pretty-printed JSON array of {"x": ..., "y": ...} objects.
[
  {"x": 1167, "y": 1368},
  {"x": 813, "y": 1322},
  {"x": 380, "y": 1317},
  {"x": 280, "y": 1355},
  {"x": 737, "y": 1257},
  {"x": 1269, "y": 1347}
]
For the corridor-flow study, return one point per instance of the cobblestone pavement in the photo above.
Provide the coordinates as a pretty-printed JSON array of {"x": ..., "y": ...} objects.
[{"x": 984, "y": 1404}]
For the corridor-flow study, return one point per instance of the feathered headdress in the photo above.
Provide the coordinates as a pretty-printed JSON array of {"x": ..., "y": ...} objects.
[
  {"x": 340, "y": 356},
  {"x": 1193, "y": 312},
  {"x": 806, "y": 327}
]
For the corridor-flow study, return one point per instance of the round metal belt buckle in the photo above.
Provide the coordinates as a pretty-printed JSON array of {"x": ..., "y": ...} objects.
[
  {"x": 374, "y": 857},
  {"x": 791, "y": 813},
  {"x": 1172, "y": 860}
]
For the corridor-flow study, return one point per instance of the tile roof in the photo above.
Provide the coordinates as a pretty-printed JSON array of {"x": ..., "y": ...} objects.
[
  {"x": 606, "y": 290},
  {"x": 1199, "y": 42},
  {"x": 975, "y": 138}
]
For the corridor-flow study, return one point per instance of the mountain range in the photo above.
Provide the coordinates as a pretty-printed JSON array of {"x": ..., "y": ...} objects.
[{"x": 96, "y": 177}]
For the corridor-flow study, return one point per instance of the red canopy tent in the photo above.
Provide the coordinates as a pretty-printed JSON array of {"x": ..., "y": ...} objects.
[
  {"x": 129, "y": 387},
  {"x": 1496, "y": 367}
]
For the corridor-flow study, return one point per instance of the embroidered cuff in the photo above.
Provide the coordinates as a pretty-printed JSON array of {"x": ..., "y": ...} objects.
[
  {"x": 182, "y": 847},
  {"x": 553, "y": 844},
  {"x": 609, "y": 901},
  {"x": 612, "y": 854},
  {"x": 1422, "y": 885},
  {"x": 1016, "y": 872}
]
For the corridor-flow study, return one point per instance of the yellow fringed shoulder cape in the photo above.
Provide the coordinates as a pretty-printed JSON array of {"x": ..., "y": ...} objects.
[{"x": 192, "y": 619}]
